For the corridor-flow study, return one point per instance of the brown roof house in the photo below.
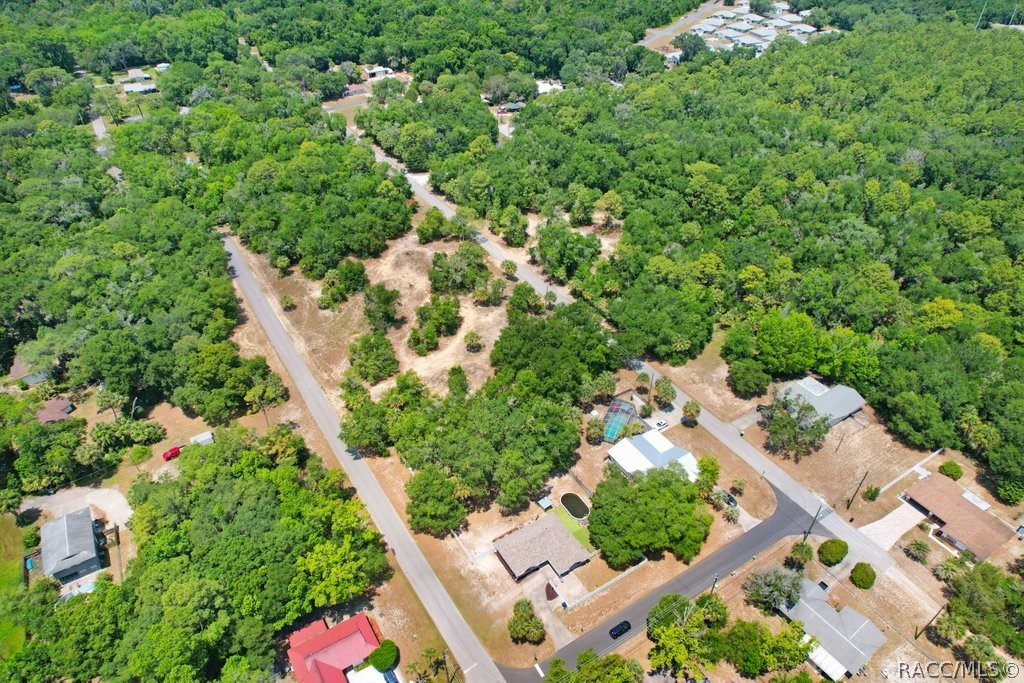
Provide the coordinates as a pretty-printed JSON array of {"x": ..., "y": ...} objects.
[
  {"x": 55, "y": 409},
  {"x": 544, "y": 541},
  {"x": 963, "y": 521}
]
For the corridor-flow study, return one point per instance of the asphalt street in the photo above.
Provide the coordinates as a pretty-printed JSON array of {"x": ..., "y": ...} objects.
[
  {"x": 788, "y": 519},
  {"x": 462, "y": 641}
]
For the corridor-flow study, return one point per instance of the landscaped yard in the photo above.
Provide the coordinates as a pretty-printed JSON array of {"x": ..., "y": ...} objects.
[
  {"x": 578, "y": 531},
  {"x": 11, "y": 635}
]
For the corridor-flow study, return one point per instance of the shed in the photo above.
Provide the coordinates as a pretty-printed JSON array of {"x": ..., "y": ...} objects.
[
  {"x": 846, "y": 639},
  {"x": 204, "y": 439},
  {"x": 545, "y": 503},
  {"x": 69, "y": 546},
  {"x": 376, "y": 71},
  {"x": 55, "y": 409},
  {"x": 544, "y": 541},
  {"x": 964, "y": 524},
  {"x": 140, "y": 88},
  {"x": 836, "y": 403}
]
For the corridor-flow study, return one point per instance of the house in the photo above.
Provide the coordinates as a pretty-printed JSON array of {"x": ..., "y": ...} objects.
[
  {"x": 510, "y": 107},
  {"x": 162, "y": 67},
  {"x": 717, "y": 22},
  {"x": 791, "y": 18},
  {"x": 724, "y": 14},
  {"x": 140, "y": 88},
  {"x": 544, "y": 541},
  {"x": 136, "y": 76},
  {"x": 728, "y": 33},
  {"x": 765, "y": 33},
  {"x": 55, "y": 409},
  {"x": 752, "y": 18},
  {"x": 777, "y": 24},
  {"x": 651, "y": 450},
  {"x": 376, "y": 71},
  {"x": 702, "y": 28},
  {"x": 322, "y": 655},
  {"x": 672, "y": 58},
  {"x": 751, "y": 41},
  {"x": 20, "y": 372},
  {"x": 742, "y": 26},
  {"x": 544, "y": 87},
  {"x": 963, "y": 521},
  {"x": 836, "y": 403},
  {"x": 69, "y": 546},
  {"x": 805, "y": 29},
  {"x": 204, "y": 439},
  {"x": 846, "y": 639}
]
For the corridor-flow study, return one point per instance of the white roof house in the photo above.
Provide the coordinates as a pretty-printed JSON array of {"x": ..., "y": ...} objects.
[
  {"x": 728, "y": 33},
  {"x": 751, "y": 41},
  {"x": 544, "y": 87},
  {"x": 162, "y": 67},
  {"x": 791, "y": 18},
  {"x": 741, "y": 26},
  {"x": 805, "y": 12},
  {"x": 137, "y": 75},
  {"x": 141, "y": 88},
  {"x": 805, "y": 29},
  {"x": 765, "y": 33},
  {"x": 724, "y": 14},
  {"x": 714, "y": 21},
  {"x": 651, "y": 450},
  {"x": 752, "y": 18},
  {"x": 702, "y": 28},
  {"x": 777, "y": 23},
  {"x": 836, "y": 403},
  {"x": 781, "y": 6}
]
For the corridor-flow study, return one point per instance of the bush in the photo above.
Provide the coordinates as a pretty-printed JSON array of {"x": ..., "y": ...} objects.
[
  {"x": 800, "y": 555},
  {"x": 918, "y": 550},
  {"x": 30, "y": 537},
  {"x": 871, "y": 493},
  {"x": 524, "y": 626},
  {"x": 747, "y": 378},
  {"x": 863, "y": 576},
  {"x": 646, "y": 410},
  {"x": 951, "y": 469},
  {"x": 832, "y": 552},
  {"x": 732, "y": 515},
  {"x": 385, "y": 656}
]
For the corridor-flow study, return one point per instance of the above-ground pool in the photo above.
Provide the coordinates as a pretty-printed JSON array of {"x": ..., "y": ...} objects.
[{"x": 575, "y": 505}]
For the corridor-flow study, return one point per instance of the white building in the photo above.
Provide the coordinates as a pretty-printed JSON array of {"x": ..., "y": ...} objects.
[
  {"x": 728, "y": 33},
  {"x": 724, "y": 14},
  {"x": 651, "y": 450},
  {"x": 752, "y": 18},
  {"x": 741, "y": 26},
  {"x": 765, "y": 33},
  {"x": 805, "y": 29}
]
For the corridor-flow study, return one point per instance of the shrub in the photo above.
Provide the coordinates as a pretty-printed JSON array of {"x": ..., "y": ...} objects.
[
  {"x": 30, "y": 537},
  {"x": 732, "y": 515},
  {"x": 385, "y": 656},
  {"x": 871, "y": 493},
  {"x": 646, "y": 410},
  {"x": 800, "y": 555},
  {"x": 524, "y": 626},
  {"x": 474, "y": 342},
  {"x": 832, "y": 552},
  {"x": 863, "y": 576},
  {"x": 951, "y": 469},
  {"x": 918, "y": 550}
]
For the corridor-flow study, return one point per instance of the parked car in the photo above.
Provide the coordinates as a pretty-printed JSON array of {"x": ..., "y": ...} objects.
[
  {"x": 730, "y": 500},
  {"x": 620, "y": 629},
  {"x": 172, "y": 453},
  {"x": 761, "y": 407},
  {"x": 661, "y": 424}
]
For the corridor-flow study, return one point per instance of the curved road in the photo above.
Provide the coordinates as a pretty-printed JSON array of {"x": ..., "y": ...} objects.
[{"x": 788, "y": 519}]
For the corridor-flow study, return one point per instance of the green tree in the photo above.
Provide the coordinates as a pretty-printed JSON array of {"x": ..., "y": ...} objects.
[
  {"x": 593, "y": 669},
  {"x": 524, "y": 626},
  {"x": 918, "y": 550},
  {"x": 373, "y": 357},
  {"x": 747, "y": 378},
  {"x": 381, "y": 307},
  {"x": 832, "y": 551},
  {"x": 595, "y": 430},
  {"x": 862, "y": 576},
  {"x": 664, "y": 391},
  {"x": 794, "y": 427},
  {"x": 768, "y": 589},
  {"x": 680, "y": 646},
  {"x": 689, "y": 45},
  {"x": 691, "y": 411},
  {"x": 708, "y": 471},
  {"x": 799, "y": 555},
  {"x": 433, "y": 506}
]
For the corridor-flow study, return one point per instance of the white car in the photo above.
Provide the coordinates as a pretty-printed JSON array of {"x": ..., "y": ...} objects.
[{"x": 661, "y": 424}]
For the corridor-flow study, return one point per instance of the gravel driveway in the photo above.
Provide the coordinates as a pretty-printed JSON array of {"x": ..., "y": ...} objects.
[{"x": 108, "y": 503}]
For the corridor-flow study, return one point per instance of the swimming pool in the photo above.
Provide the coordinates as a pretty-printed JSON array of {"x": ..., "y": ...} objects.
[{"x": 575, "y": 506}]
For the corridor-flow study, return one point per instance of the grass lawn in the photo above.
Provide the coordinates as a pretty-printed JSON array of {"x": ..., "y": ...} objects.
[
  {"x": 575, "y": 528},
  {"x": 12, "y": 636}
]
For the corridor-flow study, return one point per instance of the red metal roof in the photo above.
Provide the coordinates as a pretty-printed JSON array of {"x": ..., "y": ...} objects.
[{"x": 320, "y": 655}]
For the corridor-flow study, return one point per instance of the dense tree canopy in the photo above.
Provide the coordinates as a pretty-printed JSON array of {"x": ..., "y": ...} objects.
[{"x": 253, "y": 534}]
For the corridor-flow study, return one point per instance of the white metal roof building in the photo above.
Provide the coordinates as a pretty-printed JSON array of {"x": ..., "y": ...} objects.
[
  {"x": 728, "y": 33},
  {"x": 69, "y": 546},
  {"x": 846, "y": 639},
  {"x": 765, "y": 33},
  {"x": 752, "y": 18},
  {"x": 741, "y": 26},
  {"x": 724, "y": 14},
  {"x": 651, "y": 450},
  {"x": 806, "y": 29},
  {"x": 777, "y": 23},
  {"x": 836, "y": 403},
  {"x": 204, "y": 439}
]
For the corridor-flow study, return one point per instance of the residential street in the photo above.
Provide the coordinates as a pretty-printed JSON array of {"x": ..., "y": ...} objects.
[
  {"x": 788, "y": 519},
  {"x": 861, "y": 547},
  {"x": 464, "y": 645}
]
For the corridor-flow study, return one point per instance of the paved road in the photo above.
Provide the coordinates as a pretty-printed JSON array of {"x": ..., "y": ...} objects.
[
  {"x": 861, "y": 547},
  {"x": 464, "y": 644},
  {"x": 677, "y": 27},
  {"x": 789, "y": 519}
]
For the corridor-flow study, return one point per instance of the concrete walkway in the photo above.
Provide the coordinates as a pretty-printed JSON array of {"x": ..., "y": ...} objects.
[{"x": 533, "y": 588}]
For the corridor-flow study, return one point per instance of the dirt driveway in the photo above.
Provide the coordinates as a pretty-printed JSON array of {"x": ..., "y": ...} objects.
[{"x": 108, "y": 503}]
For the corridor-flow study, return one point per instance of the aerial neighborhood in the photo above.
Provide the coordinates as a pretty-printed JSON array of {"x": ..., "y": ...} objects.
[{"x": 576, "y": 342}]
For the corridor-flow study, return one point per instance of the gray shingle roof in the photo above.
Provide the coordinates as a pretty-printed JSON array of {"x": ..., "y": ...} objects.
[
  {"x": 836, "y": 403},
  {"x": 545, "y": 540},
  {"x": 68, "y": 542},
  {"x": 848, "y": 636}
]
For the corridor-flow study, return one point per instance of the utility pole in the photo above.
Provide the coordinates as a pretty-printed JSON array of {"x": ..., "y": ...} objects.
[
  {"x": 714, "y": 584},
  {"x": 917, "y": 634},
  {"x": 849, "y": 501},
  {"x": 813, "y": 522}
]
